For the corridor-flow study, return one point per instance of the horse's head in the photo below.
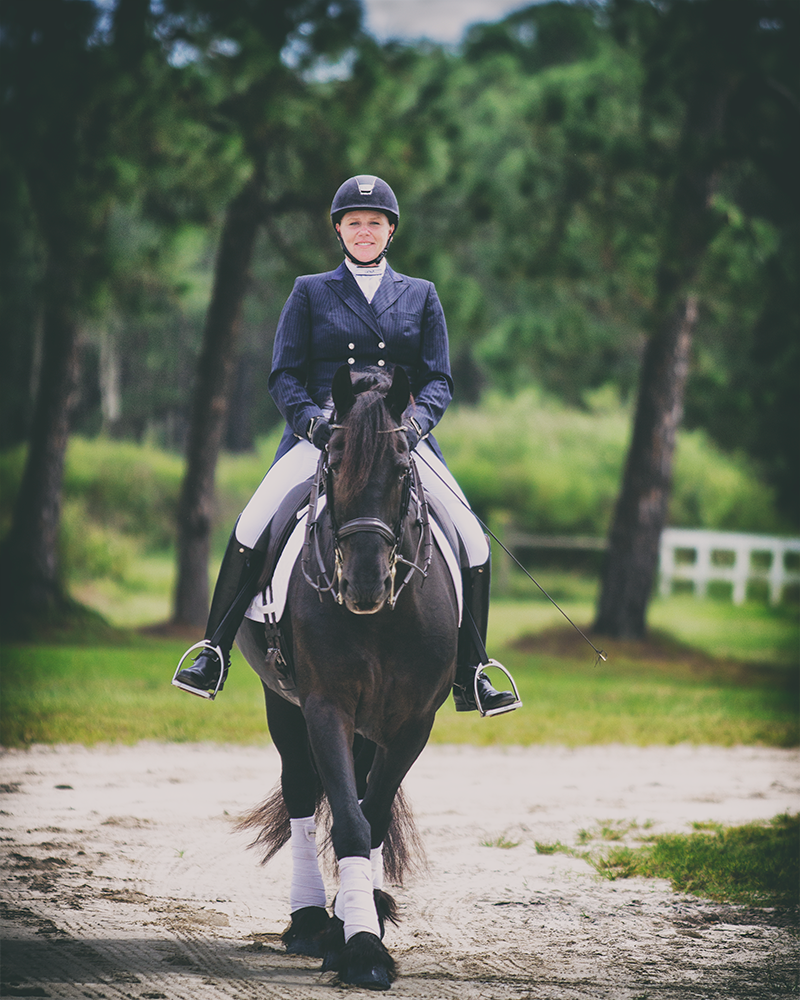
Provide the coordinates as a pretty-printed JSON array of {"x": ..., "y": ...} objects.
[{"x": 368, "y": 483}]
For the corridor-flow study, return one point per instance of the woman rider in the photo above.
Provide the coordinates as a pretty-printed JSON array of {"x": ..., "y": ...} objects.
[{"x": 363, "y": 314}]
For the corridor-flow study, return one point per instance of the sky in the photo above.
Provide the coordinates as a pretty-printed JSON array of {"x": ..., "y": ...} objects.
[{"x": 439, "y": 20}]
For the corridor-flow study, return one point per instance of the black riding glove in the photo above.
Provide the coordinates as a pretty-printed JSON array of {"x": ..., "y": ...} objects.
[{"x": 319, "y": 432}]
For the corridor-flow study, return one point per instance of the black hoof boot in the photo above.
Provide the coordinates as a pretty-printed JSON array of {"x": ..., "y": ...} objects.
[
  {"x": 489, "y": 701},
  {"x": 365, "y": 962},
  {"x": 206, "y": 676},
  {"x": 305, "y": 934}
]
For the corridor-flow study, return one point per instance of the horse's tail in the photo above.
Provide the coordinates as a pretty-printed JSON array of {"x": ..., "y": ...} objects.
[
  {"x": 403, "y": 850},
  {"x": 271, "y": 820}
]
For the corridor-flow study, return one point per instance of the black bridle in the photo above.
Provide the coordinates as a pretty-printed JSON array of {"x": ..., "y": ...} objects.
[{"x": 323, "y": 486}]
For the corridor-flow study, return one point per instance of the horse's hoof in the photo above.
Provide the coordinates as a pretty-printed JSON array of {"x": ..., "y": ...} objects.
[
  {"x": 305, "y": 934},
  {"x": 375, "y": 978},
  {"x": 365, "y": 962},
  {"x": 310, "y": 947},
  {"x": 332, "y": 945}
]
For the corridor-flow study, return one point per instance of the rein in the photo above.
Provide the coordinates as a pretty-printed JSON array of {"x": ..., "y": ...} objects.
[{"x": 323, "y": 582}]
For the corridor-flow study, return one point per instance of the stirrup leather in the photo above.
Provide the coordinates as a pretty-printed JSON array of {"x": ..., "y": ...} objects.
[
  {"x": 204, "y": 644},
  {"x": 488, "y": 713}
]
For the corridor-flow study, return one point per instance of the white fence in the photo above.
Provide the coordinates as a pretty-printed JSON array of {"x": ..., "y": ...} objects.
[{"x": 703, "y": 557}]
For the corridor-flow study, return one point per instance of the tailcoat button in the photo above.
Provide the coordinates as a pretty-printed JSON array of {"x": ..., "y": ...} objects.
[
  {"x": 381, "y": 345},
  {"x": 352, "y": 347},
  {"x": 351, "y": 361},
  {"x": 381, "y": 362}
]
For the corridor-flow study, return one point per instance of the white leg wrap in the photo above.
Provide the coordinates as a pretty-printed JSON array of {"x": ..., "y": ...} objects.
[
  {"x": 376, "y": 861},
  {"x": 307, "y": 888},
  {"x": 354, "y": 903}
]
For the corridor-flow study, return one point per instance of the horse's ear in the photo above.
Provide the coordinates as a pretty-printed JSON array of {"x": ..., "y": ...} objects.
[
  {"x": 399, "y": 393},
  {"x": 342, "y": 391}
]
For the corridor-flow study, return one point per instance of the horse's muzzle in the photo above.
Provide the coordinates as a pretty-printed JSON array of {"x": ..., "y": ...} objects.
[{"x": 364, "y": 600}]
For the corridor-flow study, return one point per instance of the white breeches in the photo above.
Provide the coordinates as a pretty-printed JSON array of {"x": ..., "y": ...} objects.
[{"x": 301, "y": 462}]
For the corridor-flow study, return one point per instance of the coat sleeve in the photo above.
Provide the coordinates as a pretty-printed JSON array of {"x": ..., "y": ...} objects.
[
  {"x": 433, "y": 384},
  {"x": 290, "y": 360}
]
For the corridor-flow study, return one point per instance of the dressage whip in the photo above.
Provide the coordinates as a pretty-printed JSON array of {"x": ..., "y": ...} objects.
[{"x": 601, "y": 654}]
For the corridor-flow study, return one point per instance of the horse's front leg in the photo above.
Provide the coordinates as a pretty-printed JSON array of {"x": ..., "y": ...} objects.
[
  {"x": 299, "y": 786},
  {"x": 391, "y": 765},
  {"x": 362, "y": 960}
]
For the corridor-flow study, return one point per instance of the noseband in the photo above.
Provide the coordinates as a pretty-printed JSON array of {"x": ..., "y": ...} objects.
[{"x": 323, "y": 485}]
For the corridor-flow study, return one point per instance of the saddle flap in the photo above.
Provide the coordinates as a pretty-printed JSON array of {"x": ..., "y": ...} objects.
[
  {"x": 285, "y": 547},
  {"x": 276, "y": 534}
]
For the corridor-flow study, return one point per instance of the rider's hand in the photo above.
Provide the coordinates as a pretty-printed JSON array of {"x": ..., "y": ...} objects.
[
  {"x": 320, "y": 433},
  {"x": 413, "y": 432}
]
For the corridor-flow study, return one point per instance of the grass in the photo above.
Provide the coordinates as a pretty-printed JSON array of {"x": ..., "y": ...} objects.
[
  {"x": 120, "y": 694},
  {"x": 756, "y": 864},
  {"x": 754, "y": 631},
  {"x": 694, "y": 681},
  {"x": 502, "y": 842},
  {"x": 658, "y": 693},
  {"x": 571, "y": 702}
]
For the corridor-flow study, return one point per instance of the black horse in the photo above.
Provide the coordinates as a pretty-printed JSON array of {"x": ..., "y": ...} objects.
[{"x": 369, "y": 640}]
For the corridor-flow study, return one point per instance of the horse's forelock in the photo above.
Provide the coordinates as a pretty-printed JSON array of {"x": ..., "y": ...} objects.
[{"x": 366, "y": 441}]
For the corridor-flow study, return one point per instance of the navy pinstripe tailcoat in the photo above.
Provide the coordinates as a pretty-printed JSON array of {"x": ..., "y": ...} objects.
[{"x": 327, "y": 322}]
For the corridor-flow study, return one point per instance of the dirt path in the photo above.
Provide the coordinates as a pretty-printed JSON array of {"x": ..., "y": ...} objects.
[{"x": 123, "y": 877}]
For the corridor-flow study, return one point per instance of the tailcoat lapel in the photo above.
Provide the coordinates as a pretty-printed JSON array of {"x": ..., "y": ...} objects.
[
  {"x": 389, "y": 290},
  {"x": 344, "y": 285}
]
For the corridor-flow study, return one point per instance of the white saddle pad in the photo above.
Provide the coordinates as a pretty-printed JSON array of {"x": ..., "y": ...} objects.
[{"x": 270, "y": 604}]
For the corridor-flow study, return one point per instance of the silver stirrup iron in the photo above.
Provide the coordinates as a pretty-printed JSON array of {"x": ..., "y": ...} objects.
[
  {"x": 205, "y": 644},
  {"x": 517, "y": 703}
]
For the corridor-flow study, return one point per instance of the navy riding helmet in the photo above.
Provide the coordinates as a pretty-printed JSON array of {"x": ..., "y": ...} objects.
[{"x": 360, "y": 192}]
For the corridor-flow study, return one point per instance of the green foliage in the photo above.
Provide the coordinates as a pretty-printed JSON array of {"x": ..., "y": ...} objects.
[
  {"x": 128, "y": 488},
  {"x": 535, "y": 167},
  {"x": 757, "y": 864},
  {"x": 544, "y": 466},
  {"x": 712, "y": 489},
  {"x": 90, "y": 551},
  {"x": 557, "y": 470}
]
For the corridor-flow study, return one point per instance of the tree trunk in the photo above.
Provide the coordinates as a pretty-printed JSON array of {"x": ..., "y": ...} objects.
[
  {"x": 641, "y": 510},
  {"x": 239, "y": 429},
  {"x": 29, "y": 564},
  {"x": 210, "y": 403}
]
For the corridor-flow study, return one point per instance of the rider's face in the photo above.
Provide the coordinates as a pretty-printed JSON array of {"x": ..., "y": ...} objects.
[{"x": 365, "y": 234}]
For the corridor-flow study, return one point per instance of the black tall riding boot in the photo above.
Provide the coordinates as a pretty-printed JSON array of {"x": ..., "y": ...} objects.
[
  {"x": 234, "y": 589},
  {"x": 472, "y": 650}
]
